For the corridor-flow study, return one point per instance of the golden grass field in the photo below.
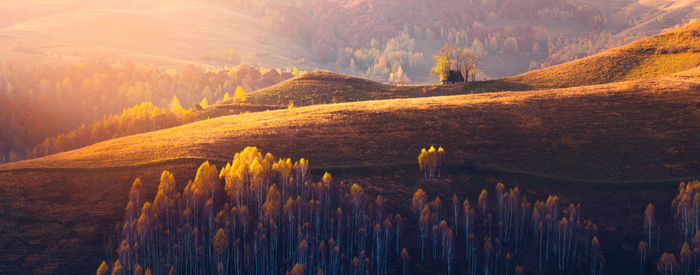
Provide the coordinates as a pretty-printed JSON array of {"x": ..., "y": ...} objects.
[
  {"x": 662, "y": 54},
  {"x": 620, "y": 125}
]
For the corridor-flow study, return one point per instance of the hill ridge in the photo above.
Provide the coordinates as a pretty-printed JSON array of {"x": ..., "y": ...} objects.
[
  {"x": 656, "y": 56},
  {"x": 359, "y": 124},
  {"x": 662, "y": 54}
]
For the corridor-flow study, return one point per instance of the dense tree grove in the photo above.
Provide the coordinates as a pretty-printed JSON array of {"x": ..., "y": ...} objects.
[
  {"x": 686, "y": 212},
  {"x": 42, "y": 101},
  {"x": 264, "y": 215},
  {"x": 503, "y": 228},
  {"x": 258, "y": 215}
]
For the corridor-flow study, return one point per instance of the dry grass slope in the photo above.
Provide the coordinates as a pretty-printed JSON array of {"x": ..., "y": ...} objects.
[
  {"x": 638, "y": 130},
  {"x": 228, "y": 107},
  {"x": 692, "y": 74},
  {"x": 322, "y": 87},
  {"x": 56, "y": 212},
  {"x": 659, "y": 55}
]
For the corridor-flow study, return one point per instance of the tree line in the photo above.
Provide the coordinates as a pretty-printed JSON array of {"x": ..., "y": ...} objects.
[{"x": 142, "y": 118}]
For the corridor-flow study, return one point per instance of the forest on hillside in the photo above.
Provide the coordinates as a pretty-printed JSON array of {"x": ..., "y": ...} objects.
[
  {"x": 393, "y": 41},
  {"x": 264, "y": 215},
  {"x": 41, "y": 103}
]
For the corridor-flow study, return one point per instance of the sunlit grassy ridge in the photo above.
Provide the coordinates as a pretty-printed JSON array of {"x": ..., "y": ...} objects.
[
  {"x": 662, "y": 54},
  {"x": 639, "y": 130},
  {"x": 692, "y": 74},
  {"x": 321, "y": 87}
]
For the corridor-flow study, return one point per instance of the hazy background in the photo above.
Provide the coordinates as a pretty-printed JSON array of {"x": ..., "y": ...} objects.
[{"x": 385, "y": 40}]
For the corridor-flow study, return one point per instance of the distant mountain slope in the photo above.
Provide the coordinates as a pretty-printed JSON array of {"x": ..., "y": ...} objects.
[
  {"x": 662, "y": 54},
  {"x": 639, "y": 130},
  {"x": 654, "y": 16},
  {"x": 166, "y": 33}
]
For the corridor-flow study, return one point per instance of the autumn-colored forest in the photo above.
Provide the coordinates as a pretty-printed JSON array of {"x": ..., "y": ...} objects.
[
  {"x": 263, "y": 215},
  {"x": 48, "y": 109},
  {"x": 387, "y": 40}
]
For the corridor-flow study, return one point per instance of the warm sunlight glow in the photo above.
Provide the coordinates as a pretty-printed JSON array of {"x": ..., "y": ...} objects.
[{"x": 489, "y": 137}]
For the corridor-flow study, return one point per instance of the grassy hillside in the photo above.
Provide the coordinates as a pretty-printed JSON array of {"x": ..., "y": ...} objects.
[
  {"x": 692, "y": 74},
  {"x": 228, "y": 107},
  {"x": 321, "y": 87},
  {"x": 639, "y": 130},
  {"x": 662, "y": 54},
  {"x": 57, "y": 212},
  {"x": 659, "y": 55},
  {"x": 59, "y": 221}
]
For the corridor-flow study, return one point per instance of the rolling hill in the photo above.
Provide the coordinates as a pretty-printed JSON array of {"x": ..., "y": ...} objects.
[
  {"x": 323, "y": 87},
  {"x": 692, "y": 74},
  {"x": 636, "y": 139},
  {"x": 495, "y": 129},
  {"x": 57, "y": 212},
  {"x": 659, "y": 55},
  {"x": 625, "y": 140}
]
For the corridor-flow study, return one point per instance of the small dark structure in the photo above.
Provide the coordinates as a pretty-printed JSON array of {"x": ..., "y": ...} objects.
[{"x": 454, "y": 76}]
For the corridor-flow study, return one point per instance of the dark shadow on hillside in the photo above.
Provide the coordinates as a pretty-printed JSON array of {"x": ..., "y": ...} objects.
[{"x": 495, "y": 85}]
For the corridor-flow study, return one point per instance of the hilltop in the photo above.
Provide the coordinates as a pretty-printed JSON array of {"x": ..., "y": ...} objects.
[
  {"x": 323, "y": 87},
  {"x": 659, "y": 55}
]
